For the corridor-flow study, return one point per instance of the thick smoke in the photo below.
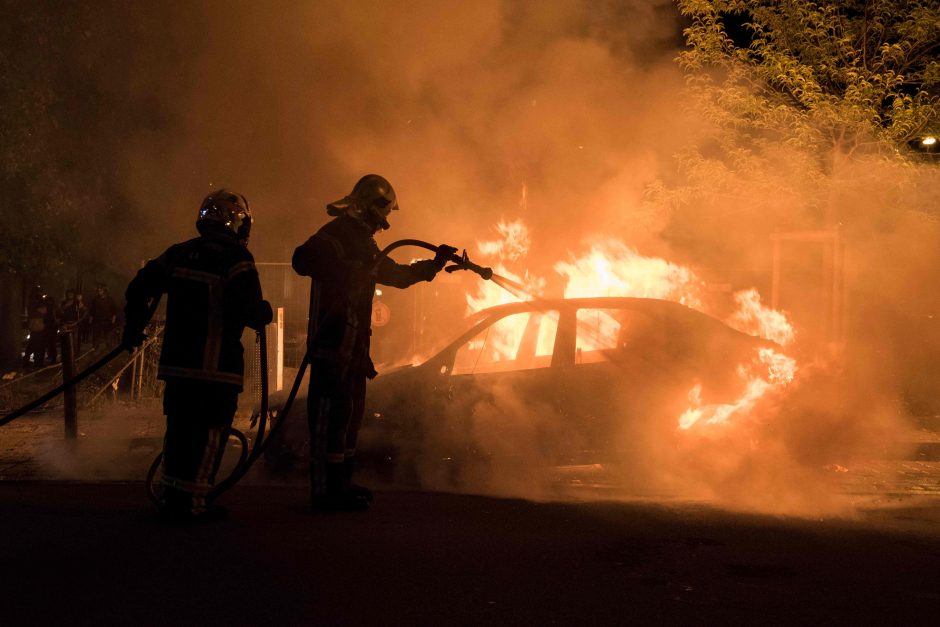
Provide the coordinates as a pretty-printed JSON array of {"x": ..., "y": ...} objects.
[
  {"x": 462, "y": 106},
  {"x": 458, "y": 106}
]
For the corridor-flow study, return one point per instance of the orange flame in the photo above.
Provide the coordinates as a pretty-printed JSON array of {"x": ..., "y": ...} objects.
[
  {"x": 755, "y": 319},
  {"x": 512, "y": 245},
  {"x": 772, "y": 372},
  {"x": 611, "y": 268}
]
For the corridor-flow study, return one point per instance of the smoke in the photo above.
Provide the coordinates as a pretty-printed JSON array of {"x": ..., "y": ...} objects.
[
  {"x": 117, "y": 444},
  {"x": 465, "y": 105},
  {"x": 457, "y": 105}
]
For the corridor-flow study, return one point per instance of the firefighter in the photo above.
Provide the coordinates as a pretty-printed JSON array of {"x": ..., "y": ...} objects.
[
  {"x": 341, "y": 259},
  {"x": 213, "y": 293}
]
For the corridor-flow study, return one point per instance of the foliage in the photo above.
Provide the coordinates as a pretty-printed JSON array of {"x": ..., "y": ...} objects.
[
  {"x": 828, "y": 73},
  {"x": 35, "y": 210},
  {"x": 794, "y": 91},
  {"x": 75, "y": 92}
]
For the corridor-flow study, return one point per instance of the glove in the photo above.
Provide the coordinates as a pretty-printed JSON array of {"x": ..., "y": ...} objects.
[
  {"x": 267, "y": 314},
  {"x": 131, "y": 338},
  {"x": 444, "y": 254}
]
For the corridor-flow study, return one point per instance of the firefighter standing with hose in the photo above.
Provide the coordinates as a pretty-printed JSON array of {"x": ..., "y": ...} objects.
[
  {"x": 213, "y": 293},
  {"x": 342, "y": 259}
]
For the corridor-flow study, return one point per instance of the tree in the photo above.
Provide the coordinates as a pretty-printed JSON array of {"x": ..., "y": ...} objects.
[
  {"x": 811, "y": 109},
  {"x": 36, "y": 224},
  {"x": 796, "y": 92},
  {"x": 80, "y": 81},
  {"x": 834, "y": 74}
]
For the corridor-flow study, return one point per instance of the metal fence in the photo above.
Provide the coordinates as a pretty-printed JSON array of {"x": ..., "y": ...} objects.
[
  {"x": 287, "y": 290},
  {"x": 288, "y": 294}
]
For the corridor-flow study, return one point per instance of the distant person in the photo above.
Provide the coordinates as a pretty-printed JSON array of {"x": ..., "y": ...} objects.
[
  {"x": 73, "y": 310},
  {"x": 66, "y": 304},
  {"x": 36, "y": 340},
  {"x": 102, "y": 315},
  {"x": 213, "y": 293},
  {"x": 339, "y": 258},
  {"x": 50, "y": 330},
  {"x": 82, "y": 322}
]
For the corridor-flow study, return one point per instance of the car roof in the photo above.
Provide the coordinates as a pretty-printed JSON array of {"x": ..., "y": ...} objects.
[
  {"x": 596, "y": 302},
  {"x": 651, "y": 306}
]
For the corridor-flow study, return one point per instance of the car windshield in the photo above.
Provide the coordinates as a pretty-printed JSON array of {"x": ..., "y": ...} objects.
[{"x": 442, "y": 342}]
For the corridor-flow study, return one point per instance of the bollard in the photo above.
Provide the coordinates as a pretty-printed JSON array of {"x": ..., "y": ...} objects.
[
  {"x": 70, "y": 395},
  {"x": 140, "y": 372},
  {"x": 133, "y": 385}
]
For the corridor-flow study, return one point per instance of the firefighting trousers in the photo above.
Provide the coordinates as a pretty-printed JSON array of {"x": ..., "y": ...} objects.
[
  {"x": 334, "y": 414},
  {"x": 198, "y": 418}
]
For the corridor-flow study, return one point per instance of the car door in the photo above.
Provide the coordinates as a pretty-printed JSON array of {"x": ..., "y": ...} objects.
[
  {"x": 501, "y": 389},
  {"x": 619, "y": 375}
]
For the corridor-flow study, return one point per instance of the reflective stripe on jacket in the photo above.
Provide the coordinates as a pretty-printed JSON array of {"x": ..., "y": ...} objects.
[{"x": 213, "y": 292}]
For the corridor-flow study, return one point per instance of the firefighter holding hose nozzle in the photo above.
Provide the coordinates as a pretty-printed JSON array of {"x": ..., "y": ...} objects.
[
  {"x": 213, "y": 293},
  {"x": 343, "y": 261}
]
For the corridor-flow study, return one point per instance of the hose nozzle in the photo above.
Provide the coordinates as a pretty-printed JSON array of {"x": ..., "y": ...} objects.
[{"x": 462, "y": 262}]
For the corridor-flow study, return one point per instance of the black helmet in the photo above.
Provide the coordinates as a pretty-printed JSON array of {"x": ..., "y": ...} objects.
[
  {"x": 227, "y": 209},
  {"x": 370, "y": 202}
]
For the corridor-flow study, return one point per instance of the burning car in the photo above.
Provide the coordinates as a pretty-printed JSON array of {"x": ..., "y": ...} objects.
[{"x": 566, "y": 381}]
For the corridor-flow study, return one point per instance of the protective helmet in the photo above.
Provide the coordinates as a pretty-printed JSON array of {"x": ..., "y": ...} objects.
[
  {"x": 226, "y": 209},
  {"x": 370, "y": 202}
]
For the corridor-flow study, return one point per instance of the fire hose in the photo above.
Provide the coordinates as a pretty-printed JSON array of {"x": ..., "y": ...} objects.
[{"x": 246, "y": 458}]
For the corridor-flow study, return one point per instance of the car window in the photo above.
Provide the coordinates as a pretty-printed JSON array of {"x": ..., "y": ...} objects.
[
  {"x": 609, "y": 334},
  {"x": 520, "y": 341}
]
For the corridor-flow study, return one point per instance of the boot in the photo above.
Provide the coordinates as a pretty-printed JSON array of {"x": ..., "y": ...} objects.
[
  {"x": 344, "y": 502},
  {"x": 176, "y": 506},
  {"x": 212, "y": 513},
  {"x": 349, "y": 465},
  {"x": 337, "y": 498}
]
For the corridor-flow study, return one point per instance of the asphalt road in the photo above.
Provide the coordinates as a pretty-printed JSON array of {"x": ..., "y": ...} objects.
[{"x": 91, "y": 553}]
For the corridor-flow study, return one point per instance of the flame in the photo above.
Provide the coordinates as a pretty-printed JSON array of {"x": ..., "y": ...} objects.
[
  {"x": 611, "y": 268},
  {"x": 753, "y": 318},
  {"x": 511, "y": 245},
  {"x": 773, "y": 371},
  {"x": 505, "y": 336},
  {"x": 513, "y": 242}
]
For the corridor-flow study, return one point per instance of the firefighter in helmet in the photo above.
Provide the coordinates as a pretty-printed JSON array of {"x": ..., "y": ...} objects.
[
  {"x": 213, "y": 293},
  {"x": 342, "y": 260}
]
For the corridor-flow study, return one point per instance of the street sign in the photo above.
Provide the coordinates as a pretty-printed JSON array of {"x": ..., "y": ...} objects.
[{"x": 380, "y": 314}]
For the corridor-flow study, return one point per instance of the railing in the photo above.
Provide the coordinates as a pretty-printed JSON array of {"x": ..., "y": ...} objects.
[
  {"x": 143, "y": 381},
  {"x": 17, "y": 390}
]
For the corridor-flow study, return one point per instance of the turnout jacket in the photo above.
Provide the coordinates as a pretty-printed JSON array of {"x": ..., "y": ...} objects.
[
  {"x": 213, "y": 293},
  {"x": 340, "y": 259}
]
